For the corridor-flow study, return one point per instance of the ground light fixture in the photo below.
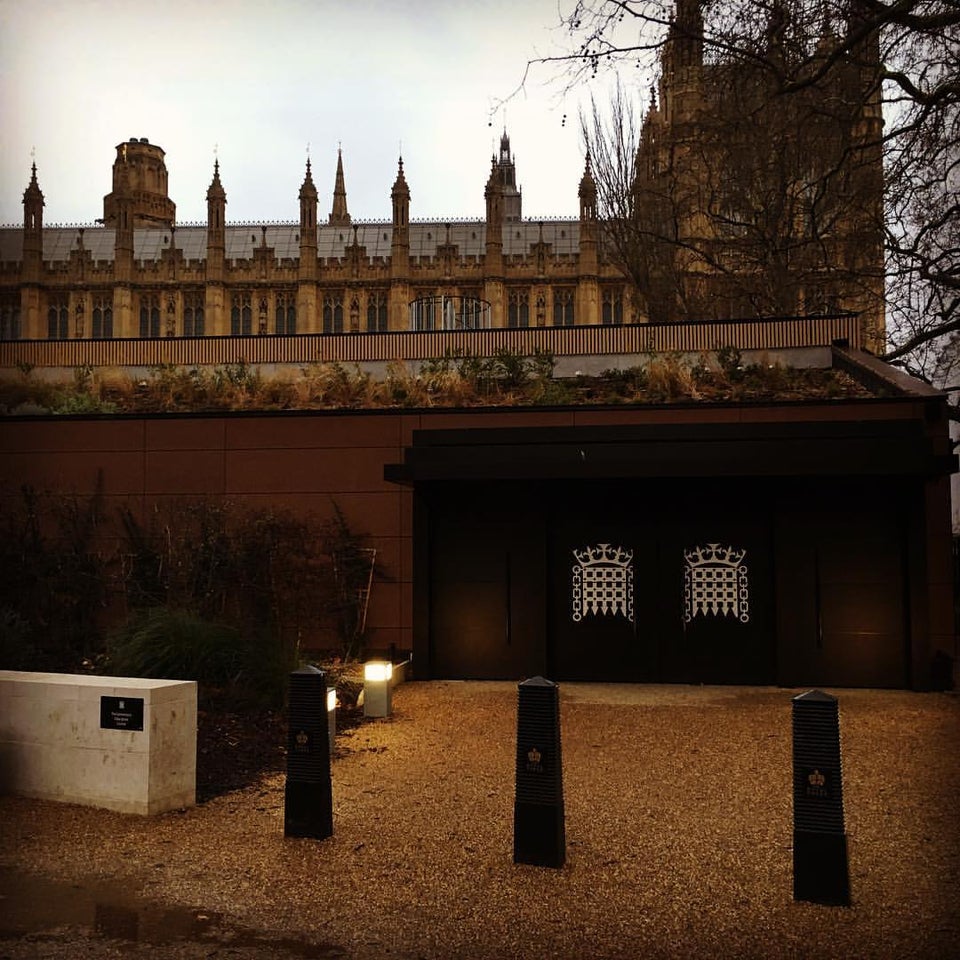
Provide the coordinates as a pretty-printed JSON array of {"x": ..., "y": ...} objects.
[
  {"x": 377, "y": 688},
  {"x": 332, "y": 716}
]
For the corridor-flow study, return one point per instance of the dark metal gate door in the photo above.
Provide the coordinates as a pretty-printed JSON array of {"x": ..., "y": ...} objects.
[
  {"x": 653, "y": 582},
  {"x": 842, "y": 586},
  {"x": 597, "y": 630},
  {"x": 486, "y": 588},
  {"x": 716, "y": 596}
]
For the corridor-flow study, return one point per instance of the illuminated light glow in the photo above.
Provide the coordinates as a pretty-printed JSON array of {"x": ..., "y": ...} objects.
[{"x": 377, "y": 672}]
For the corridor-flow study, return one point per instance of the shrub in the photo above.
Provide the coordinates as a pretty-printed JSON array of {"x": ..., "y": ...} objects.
[
  {"x": 173, "y": 644},
  {"x": 54, "y": 585},
  {"x": 272, "y": 578},
  {"x": 401, "y": 388},
  {"x": 730, "y": 361},
  {"x": 352, "y": 565},
  {"x": 16, "y": 647},
  {"x": 668, "y": 379}
]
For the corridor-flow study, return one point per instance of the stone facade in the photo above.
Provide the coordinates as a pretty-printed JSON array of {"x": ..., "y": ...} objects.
[
  {"x": 752, "y": 198},
  {"x": 138, "y": 274}
]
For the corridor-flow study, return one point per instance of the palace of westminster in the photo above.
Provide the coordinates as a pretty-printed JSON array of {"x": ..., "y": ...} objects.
[{"x": 136, "y": 273}]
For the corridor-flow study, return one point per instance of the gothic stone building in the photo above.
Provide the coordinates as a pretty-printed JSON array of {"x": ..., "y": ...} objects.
[
  {"x": 752, "y": 201},
  {"x": 137, "y": 274},
  {"x": 743, "y": 208}
]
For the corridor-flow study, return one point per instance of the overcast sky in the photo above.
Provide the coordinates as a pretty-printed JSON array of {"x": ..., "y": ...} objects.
[{"x": 259, "y": 80}]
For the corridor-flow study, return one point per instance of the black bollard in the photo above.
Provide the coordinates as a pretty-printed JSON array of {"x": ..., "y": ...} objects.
[
  {"x": 538, "y": 818},
  {"x": 308, "y": 798},
  {"x": 820, "y": 868}
]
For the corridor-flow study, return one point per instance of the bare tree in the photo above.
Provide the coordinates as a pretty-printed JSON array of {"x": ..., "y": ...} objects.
[{"x": 806, "y": 113}]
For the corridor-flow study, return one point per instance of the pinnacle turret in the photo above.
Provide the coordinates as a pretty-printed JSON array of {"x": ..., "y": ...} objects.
[
  {"x": 588, "y": 192},
  {"x": 33, "y": 188},
  {"x": 308, "y": 189},
  {"x": 215, "y": 191},
  {"x": 33, "y": 203},
  {"x": 339, "y": 215}
]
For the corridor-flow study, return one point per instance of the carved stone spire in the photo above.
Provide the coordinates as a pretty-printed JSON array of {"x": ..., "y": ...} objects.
[
  {"x": 400, "y": 240},
  {"x": 506, "y": 173},
  {"x": 339, "y": 215},
  {"x": 588, "y": 193},
  {"x": 33, "y": 202},
  {"x": 308, "y": 203},
  {"x": 401, "y": 198},
  {"x": 215, "y": 191},
  {"x": 216, "y": 214}
]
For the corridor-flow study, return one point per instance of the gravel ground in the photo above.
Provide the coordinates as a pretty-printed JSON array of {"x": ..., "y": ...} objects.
[{"x": 678, "y": 822}]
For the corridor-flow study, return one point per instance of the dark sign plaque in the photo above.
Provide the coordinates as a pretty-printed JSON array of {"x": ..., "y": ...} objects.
[{"x": 121, "y": 713}]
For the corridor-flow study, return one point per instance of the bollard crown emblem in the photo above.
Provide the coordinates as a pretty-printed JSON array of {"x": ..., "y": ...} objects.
[
  {"x": 534, "y": 756},
  {"x": 816, "y": 779}
]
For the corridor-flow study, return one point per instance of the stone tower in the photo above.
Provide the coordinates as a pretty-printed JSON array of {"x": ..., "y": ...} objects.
[
  {"x": 505, "y": 174},
  {"x": 140, "y": 182}
]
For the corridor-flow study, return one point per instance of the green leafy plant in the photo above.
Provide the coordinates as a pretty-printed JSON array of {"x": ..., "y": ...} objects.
[{"x": 178, "y": 645}]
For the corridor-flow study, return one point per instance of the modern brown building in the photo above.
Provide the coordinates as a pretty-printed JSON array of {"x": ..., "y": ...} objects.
[{"x": 793, "y": 543}]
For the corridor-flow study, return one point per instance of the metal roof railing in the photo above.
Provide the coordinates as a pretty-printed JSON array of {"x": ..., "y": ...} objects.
[{"x": 692, "y": 337}]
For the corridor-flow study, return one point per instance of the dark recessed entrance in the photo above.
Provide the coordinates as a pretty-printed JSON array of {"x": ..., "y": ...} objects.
[
  {"x": 627, "y": 581},
  {"x": 693, "y": 567},
  {"x": 736, "y": 555}
]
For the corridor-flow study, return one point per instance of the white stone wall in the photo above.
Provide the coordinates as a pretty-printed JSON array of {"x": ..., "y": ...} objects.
[{"x": 52, "y": 745}]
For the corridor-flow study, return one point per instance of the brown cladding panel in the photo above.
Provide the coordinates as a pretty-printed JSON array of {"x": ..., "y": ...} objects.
[
  {"x": 319, "y": 432},
  {"x": 487, "y": 421},
  {"x": 67, "y": 435},
  {"x": 409, "y": 423},
  {"x": 178, "y": 472},
  {"x": 388, "y": 559},
  {"x": 77, "y": 472},
  {"x": 317, "y": 504},
  {"x": 655, "y": 415},
  {"x": 184, "y": 434},
  {"x": 841, "y": 411},
  {"x": 377, "y": 512},
  {"x": 384, "y": 608},
  {"x": 383, "y": 639},
  {"x": 367, "y": 513},
  {"x": 306, "y": 470}
]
